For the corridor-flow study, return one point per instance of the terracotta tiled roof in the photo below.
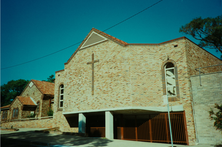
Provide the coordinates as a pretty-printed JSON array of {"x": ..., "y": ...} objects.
[
  {"x": 26, "y": 100},
  {"x": 45, "y": 87},
  {"x": 7, "y": 106}
]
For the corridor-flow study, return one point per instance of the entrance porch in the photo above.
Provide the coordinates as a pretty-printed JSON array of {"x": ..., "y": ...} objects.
[{"x": 134, "y": 124}]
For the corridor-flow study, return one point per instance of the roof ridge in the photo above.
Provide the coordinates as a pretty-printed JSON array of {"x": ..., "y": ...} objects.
[
  {"x": 42, "y": 81},
  {"x": 101, "y": 33},
  {"x": 44, "y": 87},
  {"x": 110, "y": 37}
]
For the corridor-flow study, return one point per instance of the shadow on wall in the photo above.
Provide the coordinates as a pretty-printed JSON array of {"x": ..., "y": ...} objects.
[
  {"x": 96, "y": 133},
  {"x": 32, "y": 138},
  {"x": 72, "y": 120}
]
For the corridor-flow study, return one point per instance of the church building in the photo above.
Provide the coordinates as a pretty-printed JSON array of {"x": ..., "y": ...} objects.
[{"x": 118, "y": 90}]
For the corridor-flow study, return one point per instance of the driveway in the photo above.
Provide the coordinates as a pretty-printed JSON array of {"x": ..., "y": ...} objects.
[{"x": 28, "y": 137}]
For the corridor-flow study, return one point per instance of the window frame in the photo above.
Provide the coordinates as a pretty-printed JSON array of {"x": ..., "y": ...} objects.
[
  {"x": 14, "y": 113},
  {"x": 177, "y": 96},
  {"x": 4, "y": 114},
  {"x": 166, "y": 80},
  {"x": 61, "y": 95}
]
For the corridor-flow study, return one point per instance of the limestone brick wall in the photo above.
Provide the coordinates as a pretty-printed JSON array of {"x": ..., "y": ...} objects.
[
  {"x": 126, "y": 76},
  {"x": 204, "y": 98},
  {"x": 45, "y": 107},
  {"x": 42, "y": 123},
  {"x": 197, "y": 57},
  {"x": 61, "y": 122},
  {"x": 25, "y": 114},
  {"x": 52, "y": 106},
  {"x": 59, "y": 118},
  {"x": 16, "y": 104},
  {"x": 32, "y": 92}
]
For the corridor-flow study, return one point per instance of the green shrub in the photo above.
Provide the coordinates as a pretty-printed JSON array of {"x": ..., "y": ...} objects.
[
  {"x": 31, "y": 115},
  {"x": 217, "y": 116},
  {"x": 50, "y": 112}
]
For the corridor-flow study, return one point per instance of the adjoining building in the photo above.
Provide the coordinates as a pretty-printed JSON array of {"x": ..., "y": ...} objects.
[{"x": 34, "y": 101}]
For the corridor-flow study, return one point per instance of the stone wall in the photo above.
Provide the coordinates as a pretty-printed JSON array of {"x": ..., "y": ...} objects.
[
  {"x": 59, "y": 119},
  {"x": 204, "y": 98},
  {"x": 25, "y": 114},
  {"x": 124, "y": 76},
  {"x": 42, "y": 123},
  {"x": 32, "y": 92},
  {"x": 61, "y": 122},
  {"x": 45, "y": 107}
]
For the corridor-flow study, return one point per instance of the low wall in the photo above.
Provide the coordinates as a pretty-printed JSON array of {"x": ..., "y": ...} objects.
[
  {"x": 204, "y": 98},
  {"x": 61, "y": 121},
  {"x": 40, "y": 123}
]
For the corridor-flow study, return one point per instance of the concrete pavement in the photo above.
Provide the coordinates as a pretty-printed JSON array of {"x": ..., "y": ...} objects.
[{"x": 28, "y": 137}]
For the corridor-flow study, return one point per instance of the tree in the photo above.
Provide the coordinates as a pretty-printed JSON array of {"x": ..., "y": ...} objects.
[
  {"x": 12, "y": 89},
  {"x": 50, "y": 79},
  {"x": 208, "y": 31},
  {"x": 217, "y": 116}
]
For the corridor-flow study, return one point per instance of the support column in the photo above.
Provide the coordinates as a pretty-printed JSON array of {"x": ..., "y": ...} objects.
[
  {"x": 82, "y": 123},
  {"x": 109, "y": 125}
]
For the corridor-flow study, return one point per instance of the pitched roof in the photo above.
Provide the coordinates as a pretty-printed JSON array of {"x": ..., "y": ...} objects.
[
  {"x": 26, "y": 100},
  {"x": 44, "y": 87},
  {"x": 122, "y": 42},
  {"x": 110, "y": 37},
  {"x": 7, "y": 106},
  {"x": 101, "y": 33}
]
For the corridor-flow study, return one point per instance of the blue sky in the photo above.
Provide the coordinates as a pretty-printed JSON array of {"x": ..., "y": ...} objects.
[{"x": 34, "y": 28}]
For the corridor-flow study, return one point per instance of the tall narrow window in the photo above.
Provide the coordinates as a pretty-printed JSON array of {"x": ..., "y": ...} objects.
[
  {"x": 4, "y": 116},
  {"x": 170, "y": 80},
  {"x": 61, "y": 96},
  {"x": 15, "y": 113}
]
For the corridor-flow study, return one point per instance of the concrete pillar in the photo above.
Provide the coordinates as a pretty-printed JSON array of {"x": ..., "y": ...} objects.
[
  {"x": 109, "y": 125},
  {"x": 82, "y": 123}
]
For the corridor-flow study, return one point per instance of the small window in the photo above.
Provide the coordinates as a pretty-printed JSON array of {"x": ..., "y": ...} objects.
[
  {"x": 61, "y": 96},
  {"x": 170, "y": 79},
  {"x": 15, "y": 113},
  {"x": 4, "y": 115}
]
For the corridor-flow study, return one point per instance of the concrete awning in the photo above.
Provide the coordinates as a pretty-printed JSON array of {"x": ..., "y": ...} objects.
[{"x": 132, "y": 110}]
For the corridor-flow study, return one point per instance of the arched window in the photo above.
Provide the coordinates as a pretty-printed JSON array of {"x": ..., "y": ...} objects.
[
  {"x": 61, "y": 95},
  {"x": 170, "y": 81}
]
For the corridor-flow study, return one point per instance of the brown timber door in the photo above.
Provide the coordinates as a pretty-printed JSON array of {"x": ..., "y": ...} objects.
[{"x": 156, "y": 128}]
